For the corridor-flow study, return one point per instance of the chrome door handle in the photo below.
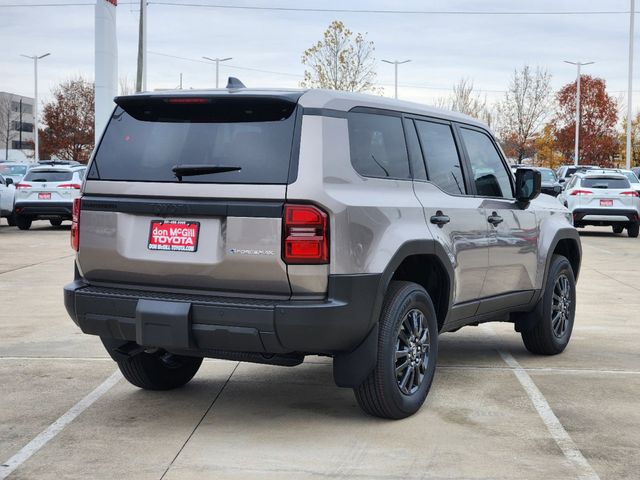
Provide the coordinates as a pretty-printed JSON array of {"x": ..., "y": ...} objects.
[
  {"x": 495, "y": 219},
  {"x": 440, "y": 219}
]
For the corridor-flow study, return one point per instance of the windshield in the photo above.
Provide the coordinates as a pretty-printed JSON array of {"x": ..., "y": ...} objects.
[
  {"x": 14, "y": 170},
  {"x": 147, "y": 141},
  {"x": 606, "y": 182},
  {"x": 547, "y": 175}
]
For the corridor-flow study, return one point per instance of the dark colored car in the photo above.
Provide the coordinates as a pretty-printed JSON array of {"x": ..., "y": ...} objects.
[{"x": 550, "y": 184}]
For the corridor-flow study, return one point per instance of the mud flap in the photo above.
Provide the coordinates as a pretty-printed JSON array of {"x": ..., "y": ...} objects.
[{"x": 351, "y": 369}]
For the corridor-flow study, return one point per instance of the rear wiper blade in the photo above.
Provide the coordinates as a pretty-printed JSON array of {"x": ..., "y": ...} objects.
[{"x": 192, "y": 170}]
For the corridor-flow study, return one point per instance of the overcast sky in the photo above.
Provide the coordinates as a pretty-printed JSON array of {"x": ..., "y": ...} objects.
[{"x": 442, "y": 48}]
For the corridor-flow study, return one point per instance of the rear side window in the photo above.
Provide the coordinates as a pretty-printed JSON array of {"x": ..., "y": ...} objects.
[
  {"x": 605, "y": 183},
  {"x": 377, "y": 146},
  {"x": 48, "y": 176},
  {"x": 146, "y": 139},
  {"x": 489, "y": 173},
  {"x": 441, "y": 156}
]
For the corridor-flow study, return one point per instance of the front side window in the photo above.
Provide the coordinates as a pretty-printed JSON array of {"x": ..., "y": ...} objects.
[
  {"x": 489, "y": 173},
  {"x": 441, "y": 156},
  {"x": 377, "y": 146}
]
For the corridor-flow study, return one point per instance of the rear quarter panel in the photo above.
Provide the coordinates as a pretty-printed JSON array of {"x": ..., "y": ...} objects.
[{"x": 370, "y": 218}]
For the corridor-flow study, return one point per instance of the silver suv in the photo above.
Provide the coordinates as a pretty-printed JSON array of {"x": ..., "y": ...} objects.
[{"x": 264, "y": 226}]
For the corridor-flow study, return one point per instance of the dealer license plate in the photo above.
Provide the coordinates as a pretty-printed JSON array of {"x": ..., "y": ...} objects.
[
  {"x": 606, "y": 203},
  {"x": 174, "y": 235}
]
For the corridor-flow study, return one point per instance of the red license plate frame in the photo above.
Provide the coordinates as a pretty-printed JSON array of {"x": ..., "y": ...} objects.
[
  {"x": 173, "y": 236},
  {"x": 606, "y": 203},
  {"x": 44, "y": 195}
]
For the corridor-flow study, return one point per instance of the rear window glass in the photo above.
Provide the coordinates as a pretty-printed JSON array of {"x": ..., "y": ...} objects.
[
  {"x": 48, "y": 176},
  {"x": 146, "y": 139},
  {"x": 377, "y": 145},
  {"x": 13, "y": 169},
  {"x": 547, "y": 175},
  {"x": 605, "y": 183}
]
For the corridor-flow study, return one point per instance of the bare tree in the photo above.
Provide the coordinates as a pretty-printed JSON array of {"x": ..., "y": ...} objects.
[
  {"x": 524, "y": 109},
  {"x": 126, "y": 85},
  {"x": 7, "y": 133},
  {"x": 463, "y": 99},
  {"x": 340, "y": 62}
]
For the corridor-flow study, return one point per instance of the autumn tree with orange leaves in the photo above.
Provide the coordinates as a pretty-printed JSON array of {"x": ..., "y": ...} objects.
[
  {"x": 69, "y": 122},
  {"x": 599, "y": 114}
]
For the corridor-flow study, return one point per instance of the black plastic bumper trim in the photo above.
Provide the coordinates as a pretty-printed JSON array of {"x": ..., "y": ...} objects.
[
  {"x": 34, "y": 209},
  {"x": 337, "y": 324},
  {"x": 580, "y": 213}
]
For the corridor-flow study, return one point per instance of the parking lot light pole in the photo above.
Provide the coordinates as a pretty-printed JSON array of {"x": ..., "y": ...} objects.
[
  {"x": 577, "y": 144},
  {"x": 217, "y": 62},
  {"x": 629, "y": 151},
  {"x": 395, "y": 64},
  {"x": 35, "y": 59}
]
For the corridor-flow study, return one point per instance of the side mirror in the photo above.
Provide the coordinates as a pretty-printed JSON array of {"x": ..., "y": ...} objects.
[
  {"x": 562, "y": 180},
  {"x": 528, "y": 184},
  {"x": 8, "y": 181}
]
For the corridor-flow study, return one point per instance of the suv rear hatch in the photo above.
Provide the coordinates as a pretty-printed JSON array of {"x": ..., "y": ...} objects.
[{"x": 187, "y": 192}]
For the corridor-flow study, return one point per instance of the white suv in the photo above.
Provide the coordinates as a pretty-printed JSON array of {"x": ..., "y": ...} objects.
[
  {"x": 47, "y": 193},
  {"x": 603, "y": 199}
]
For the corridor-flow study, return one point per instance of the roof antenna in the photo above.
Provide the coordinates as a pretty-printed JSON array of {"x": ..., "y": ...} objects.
[{"x": 233, "y": 82}]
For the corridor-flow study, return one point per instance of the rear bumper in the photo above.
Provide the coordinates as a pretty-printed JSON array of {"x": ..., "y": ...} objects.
[
  {"x": 44, "y": 209},
  {"x": 196, "y": 324},
  {"x": 603, "y": 216}
]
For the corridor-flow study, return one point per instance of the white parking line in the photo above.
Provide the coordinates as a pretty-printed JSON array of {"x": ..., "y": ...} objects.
[
  {"x": 56, "y": 427},
  {"x": 557, "y": 431}
]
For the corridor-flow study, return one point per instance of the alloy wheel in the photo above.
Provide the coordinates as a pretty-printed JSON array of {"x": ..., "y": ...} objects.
[
  {"x": 412, "y": 351},
  {"x": 561, "y": 306}
]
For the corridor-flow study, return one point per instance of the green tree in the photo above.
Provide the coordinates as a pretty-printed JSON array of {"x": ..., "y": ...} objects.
[{"x": 340, "y": 61}]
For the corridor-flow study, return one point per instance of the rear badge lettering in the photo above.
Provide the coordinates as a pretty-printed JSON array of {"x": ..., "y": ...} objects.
[{"x": 246, "y": 251}]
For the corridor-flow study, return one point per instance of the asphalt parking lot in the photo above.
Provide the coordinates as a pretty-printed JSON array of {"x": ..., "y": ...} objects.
[{"x": 494, "y": 411}]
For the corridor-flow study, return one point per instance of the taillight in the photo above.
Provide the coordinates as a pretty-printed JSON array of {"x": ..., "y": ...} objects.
[
  {"x": 23, "y": 185},
  {"x": 70, "y": 185},
  {"x": 305, "y": 235},
  {"x": 581, "y": 192},
  {"x": 632, "y": 193},
  {"x": 75, "y": 225}
]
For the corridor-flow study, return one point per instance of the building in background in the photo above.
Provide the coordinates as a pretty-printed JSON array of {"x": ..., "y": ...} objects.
[{"x": 16, "y": 127}]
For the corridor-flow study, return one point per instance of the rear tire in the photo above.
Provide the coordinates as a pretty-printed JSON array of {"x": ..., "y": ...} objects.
[
  {"x": 617, "y": 228},
  {"x": 23, "y": 223},
  {"x": 55, "y": 223},
  {"x": 407, "y": 354},
  {"x": 160, "y": 370},
  {"x": 633, "y": 230},
  {"x": 552, "y": 331}
]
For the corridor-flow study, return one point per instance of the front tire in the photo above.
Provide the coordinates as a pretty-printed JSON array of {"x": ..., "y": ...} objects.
[
  {"x": 407, "y": 354},
  {"x": 23, "y": 223},
  {"x": 55, "y": 222},
  {"x": 11, "y": 220},
  {"x": 617, "y": 228},
  {"x": 160, "y": 370},
  {"x": 633, "y": 230},
  {"x": 552, "y": 332}
]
